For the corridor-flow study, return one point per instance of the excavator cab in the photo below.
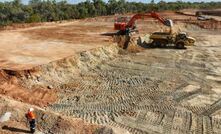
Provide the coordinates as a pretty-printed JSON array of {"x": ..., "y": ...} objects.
[{"x": 121, "y": 23}]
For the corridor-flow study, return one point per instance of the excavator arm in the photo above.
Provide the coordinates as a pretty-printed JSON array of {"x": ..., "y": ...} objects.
[{"x": 123, "y": 26}]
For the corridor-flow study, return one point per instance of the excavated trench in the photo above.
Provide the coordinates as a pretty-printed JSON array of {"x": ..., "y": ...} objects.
[{"x": 153, "y": 91}]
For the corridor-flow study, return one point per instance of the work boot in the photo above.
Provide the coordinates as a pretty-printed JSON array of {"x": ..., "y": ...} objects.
[{"x": 32, "y": 130}]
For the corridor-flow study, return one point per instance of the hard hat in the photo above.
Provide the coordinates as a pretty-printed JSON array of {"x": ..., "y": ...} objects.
[{"x": 31, "y": 109}]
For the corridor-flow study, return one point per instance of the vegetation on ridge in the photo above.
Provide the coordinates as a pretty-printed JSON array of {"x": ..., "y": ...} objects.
[{"x": 50, "y": 10}]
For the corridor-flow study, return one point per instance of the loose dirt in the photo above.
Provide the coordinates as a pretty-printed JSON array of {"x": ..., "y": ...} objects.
[
  {"x": 47, "y": 122},
  {"x": 153, "y": 90}
]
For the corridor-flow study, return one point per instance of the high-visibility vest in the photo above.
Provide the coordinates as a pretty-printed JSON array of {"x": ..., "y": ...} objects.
[{"x": 30, "y": 115}]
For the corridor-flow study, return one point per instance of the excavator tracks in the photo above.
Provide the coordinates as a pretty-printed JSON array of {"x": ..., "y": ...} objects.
[{"x": 145, "y": 97}]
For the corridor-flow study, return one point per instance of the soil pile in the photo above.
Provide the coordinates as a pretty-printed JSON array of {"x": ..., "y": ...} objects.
[{"x": 128, "y": 43}]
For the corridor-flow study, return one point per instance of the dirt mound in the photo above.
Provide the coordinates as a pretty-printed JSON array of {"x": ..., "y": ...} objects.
[{"x": 128, "y": 43}]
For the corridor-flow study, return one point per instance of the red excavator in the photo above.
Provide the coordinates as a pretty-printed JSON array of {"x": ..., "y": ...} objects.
[{"x": 126, "y": 25}]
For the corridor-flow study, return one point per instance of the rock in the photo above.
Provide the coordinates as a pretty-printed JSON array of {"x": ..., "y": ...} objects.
[{"x": 50, "y": 87}]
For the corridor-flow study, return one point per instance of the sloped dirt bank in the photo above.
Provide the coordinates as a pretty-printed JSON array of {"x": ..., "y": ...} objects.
[
  {"x": 10, "y": 86},
  {"x": 42, "y": 85},
  {"x": 47, "y": 122},
  {"x": 209, "y": 24},
  {"x": 52, "y": 75}
]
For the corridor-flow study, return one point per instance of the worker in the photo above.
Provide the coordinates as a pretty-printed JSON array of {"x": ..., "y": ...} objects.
[{"x": 31, "y": 119}]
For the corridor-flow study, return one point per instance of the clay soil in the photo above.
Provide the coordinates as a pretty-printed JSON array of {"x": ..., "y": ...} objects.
[{"x": 76, "y": 76}]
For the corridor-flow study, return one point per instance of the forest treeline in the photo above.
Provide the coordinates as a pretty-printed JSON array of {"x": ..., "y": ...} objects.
[{"x": 50, "y": 10}]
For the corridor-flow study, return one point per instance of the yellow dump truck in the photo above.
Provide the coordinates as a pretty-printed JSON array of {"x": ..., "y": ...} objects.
[{"x": 163, "y": 39}]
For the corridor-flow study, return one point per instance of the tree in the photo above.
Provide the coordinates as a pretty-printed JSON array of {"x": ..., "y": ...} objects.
[
  {"x": 111, "y": 6},
  {"x": 34, "y": 18},
  {"x": 83, "y": 12},
  {"x": 100, "y": 8},
  {"x": 162, "y": 5},
  {"x": 34, "y": 2},
  {"x": 50, "y": 10}
]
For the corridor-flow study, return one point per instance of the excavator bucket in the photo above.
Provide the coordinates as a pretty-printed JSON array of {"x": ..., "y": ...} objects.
[{"x": 168, "y": 23}]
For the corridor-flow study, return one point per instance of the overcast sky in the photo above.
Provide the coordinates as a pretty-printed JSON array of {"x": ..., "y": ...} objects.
[{"x": 146, "y": 1}]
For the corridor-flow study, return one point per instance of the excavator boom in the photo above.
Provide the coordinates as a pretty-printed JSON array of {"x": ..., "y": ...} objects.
[{"x": 124, "y": 27}]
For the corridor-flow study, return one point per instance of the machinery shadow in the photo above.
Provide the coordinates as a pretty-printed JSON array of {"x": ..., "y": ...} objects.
[
  {"x": 109, "y": 34},
  {"x": 13, "y": 129}
]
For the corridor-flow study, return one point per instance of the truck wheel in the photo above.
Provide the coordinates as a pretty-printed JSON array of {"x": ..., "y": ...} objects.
[
  {"x": 156, "y": 44},
  {"x": 163, "y": 44},
  {"x": 180, "y": 45}
]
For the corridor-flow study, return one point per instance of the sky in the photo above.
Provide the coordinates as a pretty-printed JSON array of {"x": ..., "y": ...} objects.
[{"x": 145, "y": 1}]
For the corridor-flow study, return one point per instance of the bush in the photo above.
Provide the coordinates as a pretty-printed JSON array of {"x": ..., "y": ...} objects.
[{"x": 34, "y": 18}]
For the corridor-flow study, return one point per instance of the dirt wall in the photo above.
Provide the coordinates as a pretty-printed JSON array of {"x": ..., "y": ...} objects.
[
  {"x": 209, "y": 12},
  {"x": 60, "y": 71}
]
